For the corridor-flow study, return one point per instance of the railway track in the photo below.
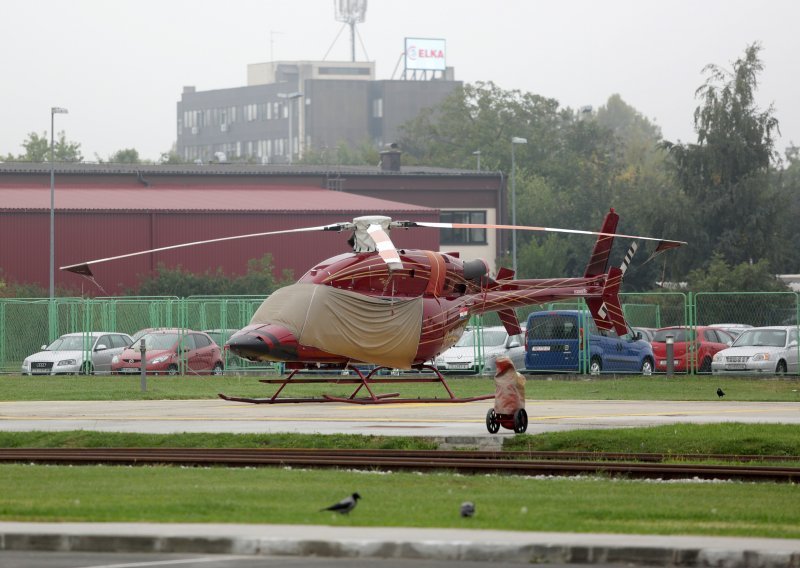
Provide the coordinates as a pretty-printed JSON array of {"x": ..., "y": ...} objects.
[{"x": 661, "y": 466}]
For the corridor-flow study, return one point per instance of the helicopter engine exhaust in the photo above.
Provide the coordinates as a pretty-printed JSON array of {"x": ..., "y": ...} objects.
[{"x": 475, "y": 269}]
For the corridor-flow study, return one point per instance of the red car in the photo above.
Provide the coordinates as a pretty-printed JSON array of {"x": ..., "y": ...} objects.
[
  {"x": 171, "y": 352},
  {"x": 707, "y": 341}
]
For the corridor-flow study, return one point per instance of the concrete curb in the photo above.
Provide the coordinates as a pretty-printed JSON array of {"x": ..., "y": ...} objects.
[{"x": 402, "y": 543}]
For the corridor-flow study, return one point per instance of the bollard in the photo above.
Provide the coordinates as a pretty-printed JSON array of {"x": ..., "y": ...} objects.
[
  {"x": 143, "y": 375},
  {"x": 670, "y": 355}
]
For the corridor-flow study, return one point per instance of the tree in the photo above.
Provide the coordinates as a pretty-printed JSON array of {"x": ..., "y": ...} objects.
[
  {"x": 727, "y": 172},
  {"x": 37, "y": 149},
  {"x": 126, "y": 156},
  {"x": 258, "y": 280}
]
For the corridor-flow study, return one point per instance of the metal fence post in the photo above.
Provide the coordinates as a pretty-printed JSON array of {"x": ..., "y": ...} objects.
[
  {"x": 670, "y": 356},
  {"x": 143, "y": 371}
]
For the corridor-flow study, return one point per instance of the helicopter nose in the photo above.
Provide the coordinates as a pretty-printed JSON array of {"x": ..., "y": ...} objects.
[{"x": 269, "y": 342}]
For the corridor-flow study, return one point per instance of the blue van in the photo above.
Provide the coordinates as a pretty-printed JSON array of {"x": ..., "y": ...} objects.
[{"x": 569, "y": 341}]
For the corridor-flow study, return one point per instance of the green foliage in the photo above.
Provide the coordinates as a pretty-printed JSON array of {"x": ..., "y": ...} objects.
[
  {"x": 37, "y": 149},
  {"x": 744, "y": 277},
  {"x": 258, "y": 280},
  {"x": 727, "y": 172},
  {"x": 364, "y": 154},
  {"x": 126, "y": 156}
]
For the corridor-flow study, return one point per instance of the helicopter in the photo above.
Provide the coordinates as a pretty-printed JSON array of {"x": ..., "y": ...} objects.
[{"x": 399, "y": 309}]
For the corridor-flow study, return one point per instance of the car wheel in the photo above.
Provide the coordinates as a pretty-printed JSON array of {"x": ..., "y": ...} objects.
[
  {"x": 781, "y": 368},
  {"x": 217, "y": 370},
  {"x": 87, "y": 368},
  {"x": 596, "y": 366},
  {"x": 647, "y": 367},
  {"x": 705, "y": 366},
  {"x": 172, "y": 370}
]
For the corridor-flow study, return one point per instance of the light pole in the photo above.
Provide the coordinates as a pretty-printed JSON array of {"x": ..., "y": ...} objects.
[
  {"x": 477, "y": 153},
  {"x": 53, "y": 112},
  {"x": 290, "y": 97},
  {"x": 514, "y": 141}
]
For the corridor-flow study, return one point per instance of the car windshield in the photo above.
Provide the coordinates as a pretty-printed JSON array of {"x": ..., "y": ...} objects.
[
  {"x": 678, "y": 335},
  {"x": 491, "y": 338},
  {"x": 761, "y": 338},
  {"x": 158, "y": 340},
  {"x": 71, "y": 343}
]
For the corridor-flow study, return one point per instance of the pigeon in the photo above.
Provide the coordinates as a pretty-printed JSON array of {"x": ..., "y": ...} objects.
[
  {"x": 720, "y": 393},
  {"x": 345, "y": 505},
  {"x": 467, "y": 509}
]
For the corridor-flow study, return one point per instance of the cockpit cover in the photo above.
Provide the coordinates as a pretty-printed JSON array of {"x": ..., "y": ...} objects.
[{"x": 383, "y": 331}]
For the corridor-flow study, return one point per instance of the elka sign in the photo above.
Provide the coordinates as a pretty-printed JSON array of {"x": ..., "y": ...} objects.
[{"x": 425, "y": 54}]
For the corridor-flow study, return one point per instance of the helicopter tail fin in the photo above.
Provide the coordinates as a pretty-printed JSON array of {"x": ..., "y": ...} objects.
[
  {"x": 598, "y": 262},
  {"x": 607, "y": 310}
]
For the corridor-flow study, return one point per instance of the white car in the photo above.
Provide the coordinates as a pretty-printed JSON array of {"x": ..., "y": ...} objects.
[
  {"x": 465, "y": 356},
  {"x": 769, "y": 350},
  {"x": 66, "y": 354}
]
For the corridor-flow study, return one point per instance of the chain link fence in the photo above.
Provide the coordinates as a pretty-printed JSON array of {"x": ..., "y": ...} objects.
[{"x": 28, "y": 324}]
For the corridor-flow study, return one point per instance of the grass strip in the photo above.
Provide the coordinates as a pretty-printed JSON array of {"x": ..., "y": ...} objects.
[
  {"x": 279, "y": 495},
  {"x": 539, "y": 387},
  {"x": 722, "y": 438}
]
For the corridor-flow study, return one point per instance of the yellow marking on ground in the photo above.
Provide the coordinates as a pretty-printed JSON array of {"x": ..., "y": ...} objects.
[{"x": 223, "y": 419}]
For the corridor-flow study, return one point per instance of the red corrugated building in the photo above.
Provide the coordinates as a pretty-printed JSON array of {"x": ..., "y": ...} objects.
[{"x": 104, "y": 211}]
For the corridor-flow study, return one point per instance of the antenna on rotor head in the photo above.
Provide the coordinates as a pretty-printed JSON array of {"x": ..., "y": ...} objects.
[{"x": 351, "y": 12}]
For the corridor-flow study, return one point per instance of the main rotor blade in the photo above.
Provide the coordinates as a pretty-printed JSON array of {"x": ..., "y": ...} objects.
[
  {"x": 83, "y": 267},
  {"x": 385, "y": 247},
  {"x": 542, "y": 229}
]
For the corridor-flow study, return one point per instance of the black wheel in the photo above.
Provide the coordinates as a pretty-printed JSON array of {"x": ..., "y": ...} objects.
[
  {"x": 172, "y": 370},
  {"x": 87, "y": 368},
  {"x": 705, "y": 366},
  {"x": 492, "y": 423},
  {"x": 647, "y": 367},
  {"x": 595, "y": 366},
  {"x": 781, "y": 368},
  {"x": 217, "y": 370},
  {"x": 520, "y": 421}
]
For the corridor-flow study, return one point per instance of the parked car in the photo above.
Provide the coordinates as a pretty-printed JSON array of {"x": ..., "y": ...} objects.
[
  {"x": 760, "y": 350},
  {"x": 734, "y": 329},
  {"x": 558, "y": 340},
  {"x": 702, "y": 346},
  {"x": 646, "y": 332},
  {"x": 494, "y": 341},
  {"x": 77, "y": 353},
  {"x": 172, "y": 351}
]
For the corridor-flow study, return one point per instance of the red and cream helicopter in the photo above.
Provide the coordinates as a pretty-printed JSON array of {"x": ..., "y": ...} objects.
[{"x": 398, "y": 309}]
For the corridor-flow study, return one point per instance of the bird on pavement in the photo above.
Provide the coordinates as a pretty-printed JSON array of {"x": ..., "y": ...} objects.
[
  {"x": 720, "y": 392},
  {"x": 345, "y": 505},
  {"x": 467, "y": 509}
]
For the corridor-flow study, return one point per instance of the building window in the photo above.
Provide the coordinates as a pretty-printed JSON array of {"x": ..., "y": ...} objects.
[
  {"x": 463, "y": 236},
  {"x": 377, "y": 108}
]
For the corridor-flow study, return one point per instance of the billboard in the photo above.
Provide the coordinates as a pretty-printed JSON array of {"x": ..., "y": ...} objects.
[{"x": 425, "y": 54}]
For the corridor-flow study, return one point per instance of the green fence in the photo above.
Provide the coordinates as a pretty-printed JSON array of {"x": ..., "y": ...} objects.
[{"x": 27, "y": 324}]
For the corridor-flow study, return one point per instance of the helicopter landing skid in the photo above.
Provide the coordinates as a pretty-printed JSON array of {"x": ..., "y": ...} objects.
[{"x": 362, "y": 382}]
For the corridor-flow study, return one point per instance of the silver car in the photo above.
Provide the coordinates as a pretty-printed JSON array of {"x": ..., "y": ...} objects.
[
  {"x": 769, "y": 350},
  {"x": 77, "y": 353},
  {"x": 465, "y": 356}
]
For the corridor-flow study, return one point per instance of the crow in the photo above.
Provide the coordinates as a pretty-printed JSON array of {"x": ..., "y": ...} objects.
[
  {"x": 720, "y": 393},
  {"x": 467, "y": 509},
  {"x": 345, "y": 505}
]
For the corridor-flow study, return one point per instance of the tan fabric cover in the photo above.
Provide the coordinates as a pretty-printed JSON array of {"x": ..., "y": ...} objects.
[
  {"x": 361, "y": 328},
  {"x": 509, "y": 387}
]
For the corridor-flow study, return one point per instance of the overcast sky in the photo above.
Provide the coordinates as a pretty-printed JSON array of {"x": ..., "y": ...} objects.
[{"x": 119, "y": 66}]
